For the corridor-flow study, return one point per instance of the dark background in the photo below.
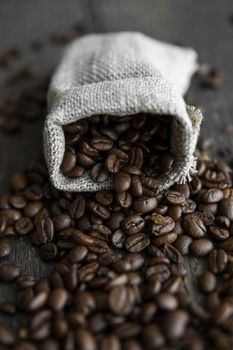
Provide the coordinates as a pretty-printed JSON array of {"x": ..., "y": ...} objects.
[{"x": 203, "y": 24}]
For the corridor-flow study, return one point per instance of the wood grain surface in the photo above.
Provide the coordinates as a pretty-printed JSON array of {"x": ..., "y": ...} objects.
[{"x": 204, "y": 25}]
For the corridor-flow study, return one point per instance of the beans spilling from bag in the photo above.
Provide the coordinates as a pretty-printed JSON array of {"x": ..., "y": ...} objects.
[
  {"x": 118, "y": 147},
  {"x": 120, "y": 263}
]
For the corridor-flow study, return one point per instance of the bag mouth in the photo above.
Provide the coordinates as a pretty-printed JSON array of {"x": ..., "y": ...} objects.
[{"x": 153, "y": 95}]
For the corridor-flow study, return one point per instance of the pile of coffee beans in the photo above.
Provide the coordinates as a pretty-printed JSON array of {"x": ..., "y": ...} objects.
[
  {"x": 128, "y": 148},
  {"x": 121, "y": 256}
]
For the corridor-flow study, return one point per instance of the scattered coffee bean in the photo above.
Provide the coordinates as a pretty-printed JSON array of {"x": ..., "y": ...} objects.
[{"x": 5, "y": 248}]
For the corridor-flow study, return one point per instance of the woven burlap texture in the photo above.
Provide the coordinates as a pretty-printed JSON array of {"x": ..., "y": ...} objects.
[{"x": 121, "y": 74}]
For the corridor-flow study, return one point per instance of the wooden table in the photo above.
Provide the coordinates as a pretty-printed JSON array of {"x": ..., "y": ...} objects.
[{"x": 204, "y": 25}]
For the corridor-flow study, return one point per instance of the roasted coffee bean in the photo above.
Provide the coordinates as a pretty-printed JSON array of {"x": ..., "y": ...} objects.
[
  {"x": 160, "y": 272},
  {"x": 9, "y": 272},
  {"x": 145, "y": 205},
  {"x": 194, "y": 226},
  {"x": 133, "y": 224},
  {"x": 137, "y": 242},
  {"x": 61, "y": 222},
  {"x": 167, "y": 301},
  {"x": 183, "y": 243},
  {"x": 69, "y": 161},
  {"x": 115, "y": 160},
  {"x": 110, "y": 341},
  {"x": 58, "y": 299},
  {"x": 7, "y": 336},
  {"x": 212, "y": 195},
  {"x": 152, "y": 336},
  {"x": 19, "y": 181},
  {"x": 118, "y": 238},
  {"x": 219, "y": 233},
  {"x": 26, "y": 281},
  {"x": 167, "y": 238},
  {"x": 201, "y": 247},
  {"x": 161, "y": 224},
  {"x": 85, "y": 340},
  {"x": 32, "y": 209},
  {"x": 102, "y": 143},
  {"x": 121, "y": 300},
  {"x": 48, "y": 252},
  {"x": 174, "y": 324},
  {"x": 218, "y": 261},
  {"x": 222, "y": 312},
  {"x": 121, "y": 181},
  {"x": 5, "y": 248},
  {"x": 11, "y": 215},
  {"x": 98, "y": 173},
  {"x": 18, "y": 202},
  {"x": 77, "y": 208},
  {"x": 77, "y": 254},
  {"x": 207, "y": 282},
  {"x": 124, "y": 199},
  {"x": 226, "y": 208},
  {"x": 24, "y": 225},
  {"x": 174, "y": 197},
  {"x": 44, "y": 230}
]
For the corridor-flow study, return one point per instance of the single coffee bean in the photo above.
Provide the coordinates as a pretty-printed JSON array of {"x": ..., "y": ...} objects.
[
  {"x": 152, "y": 337},
  {"x": 174, "y": 324},
  {"x": 11, "y": 215},
  {"x": 58, "y": 299},
  {"x": 183, "y": 243},
  {"x": 115, "y": 160},
  {"x": 194, "y": 226},
  {"x": 121, "y": 300},
  {"x": 118, "y": 238},
  {"x": 25, "y": 281},
  {"x": 77, "y": 208},
  {"x": 18, "y": 202},
  {"x": 48, "y": 252},
  {"x": 9, "y": 272},
  {"x": 201, "y": 247},
  {"x": 174, "y": 197},
  {"x": 104, "y": 197},
  {"x": 160, "y": 272},
  {"x": 213, "y": 195},
  {"x": 167, "y": 301},
  {"x": 121, "y": 181},
  {"x": 207, "y": 282},
  {"x": 226, "y": 208},
  {"x": 77, "y": 254},
  {"x": 222, "y": 312},
  {"x": 217, "y": 261},
  {"x": 5, "y": 248},
  {"x": 133, "y": 224},
  {"x": 7, "y": 336},
  {"x": 32, "y": 209},
  {"x": 61, "y": 222},
  {"x": 161, "y": 224},
  {"x": 85, "y": 340},
  {"x": 219, "y": 233},
  {"x": 137, "y": 242},
  {"x": 124, "y": 199},
  {"x": 145, "y": 205},
  {"x": 110, "y": 341},
  {"x": 24, "y": 225},
  {"x": 69, "y": 161},
  {"x": 98, "y": 173},
  {"x": 19, "y": 181}
]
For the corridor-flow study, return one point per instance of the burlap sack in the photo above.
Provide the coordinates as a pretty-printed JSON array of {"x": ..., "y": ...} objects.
[{"x": 121, "y": 74}]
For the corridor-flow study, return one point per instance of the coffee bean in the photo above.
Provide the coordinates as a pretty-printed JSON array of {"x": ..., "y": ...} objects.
[
  {"x": 7, "y": 336},
  {"x": 226, "y": 208},
  {"x": 160, "y": 272},
  {"x": 32, "y": 209},
  {"x": 194, "y": 226},
  {"x": 161, "y": 224},
  {"x": 219, "y": 233},
  {"x": 77, "y": 208},
  {"x": 9, "y": 272},
  {"x": 69, "y": 161},
  {"x": 110, "y": 341},
  {"x": 207, "y": 282},
  {"x": 11, "y": 216},
  {"x": 121, "y": 300},
  {"x": 44, "y": 230},
  {"x": 38, "y": 301},
  {"x": 19, "y": 181},
  {"x": 183, "y": 243},
  {"x": 167, "y": 302},
  {"x": 201, "y": 247},
  {"x": 145, "y": 205},
  {"x": 212, "y": 195},
  {"x": 77, "y": 254},
  {"x": 217, "y": 261},
  {"x": 174, "y": 324},
  {"x": 61, "y": 222},
  {"x": 26, "y": 281},
  {"x": 133, "y": 224},
  {"x": 174, "y": 197},
  {"x": 98, "y": 173},
  {"x": 124, "y": 199},
  {"x": 18, "y": 202},
  {"x": 121, "y": 181},
  {"x": 222, "y": 312},
  {"x": 85, "y": 340},
  {"x": 137, "y": 242},
  {"x": 152, "y": 336},
  {"x": 58, "y": 299},
  {"x": 48, "y": 252},
  {"x": 24, "y": 225},
  {"x": 5, "y": 248},
  {"x": 115, "y": 160}
]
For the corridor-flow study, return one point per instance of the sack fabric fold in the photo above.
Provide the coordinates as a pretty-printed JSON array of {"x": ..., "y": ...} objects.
[{"x": 122, "y": 74}]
